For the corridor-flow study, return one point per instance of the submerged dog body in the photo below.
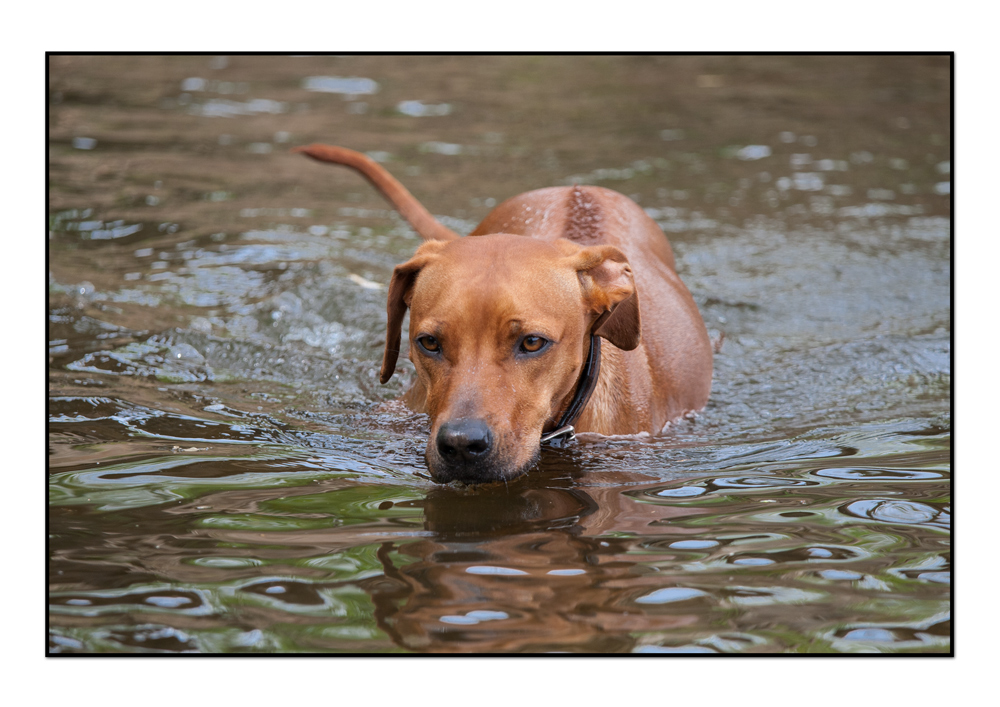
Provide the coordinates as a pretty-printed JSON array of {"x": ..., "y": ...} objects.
[{"x": 500, "y": 324}]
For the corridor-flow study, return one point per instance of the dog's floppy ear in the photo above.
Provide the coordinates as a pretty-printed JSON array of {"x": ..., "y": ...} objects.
[
  {"x": 609, "y": 291},
  {"x": 400, "y": 293}
]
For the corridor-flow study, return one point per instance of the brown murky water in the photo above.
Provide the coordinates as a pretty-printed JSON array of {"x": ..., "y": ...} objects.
[{"x": 226, "y": 474}]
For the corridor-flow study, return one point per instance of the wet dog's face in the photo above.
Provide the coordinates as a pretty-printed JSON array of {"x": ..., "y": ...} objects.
[{"x": 499, "y": 327}]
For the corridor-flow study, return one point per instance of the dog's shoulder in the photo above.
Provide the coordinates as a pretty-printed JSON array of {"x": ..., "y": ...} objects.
[{"x": 578, "y": 213}]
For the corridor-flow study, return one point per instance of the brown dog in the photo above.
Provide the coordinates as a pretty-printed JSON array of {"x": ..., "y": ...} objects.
[{"x": 504, "y": 329}]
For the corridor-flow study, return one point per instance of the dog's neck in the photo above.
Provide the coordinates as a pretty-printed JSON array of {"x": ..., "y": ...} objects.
[
  {"x": 612, "y": 398},
  {"x": 586, "y": 382}
]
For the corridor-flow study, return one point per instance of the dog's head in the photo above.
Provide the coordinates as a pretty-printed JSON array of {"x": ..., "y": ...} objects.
[{"x": 499, "y": 329}]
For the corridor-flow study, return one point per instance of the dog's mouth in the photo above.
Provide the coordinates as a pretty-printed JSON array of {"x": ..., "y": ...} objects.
[
  {"x": 494, "y": 464},
  {"x": 474, "y": 450},
  {"x": 479, "y": 472}
]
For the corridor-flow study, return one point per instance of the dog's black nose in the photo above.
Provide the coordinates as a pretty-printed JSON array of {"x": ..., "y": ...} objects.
[{"x": 464, "y": 441}]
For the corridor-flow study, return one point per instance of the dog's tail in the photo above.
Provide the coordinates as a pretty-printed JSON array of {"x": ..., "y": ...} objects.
[{"x": 429, "y": 228}]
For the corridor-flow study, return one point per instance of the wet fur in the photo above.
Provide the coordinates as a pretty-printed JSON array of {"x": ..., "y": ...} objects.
[{"x": 595, "y": 262}]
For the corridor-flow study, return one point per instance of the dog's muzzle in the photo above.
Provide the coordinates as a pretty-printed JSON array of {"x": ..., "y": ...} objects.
[
  {"x": 464, "y": 442},
  {"x": 466, "y": 450}
]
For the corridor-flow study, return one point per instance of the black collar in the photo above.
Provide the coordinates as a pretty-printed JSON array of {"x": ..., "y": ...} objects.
[{"x": 584, "y": 388}]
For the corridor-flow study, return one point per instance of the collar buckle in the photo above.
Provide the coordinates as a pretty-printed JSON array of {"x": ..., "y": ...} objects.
[
  {"x": 560, "y": 436},
  {"x": 585, "y": 386}
]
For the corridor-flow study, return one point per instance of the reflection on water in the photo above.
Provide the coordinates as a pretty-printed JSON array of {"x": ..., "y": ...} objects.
[
  {"x": 257, "y": 523},
  {"x": 226, "y": 474}
]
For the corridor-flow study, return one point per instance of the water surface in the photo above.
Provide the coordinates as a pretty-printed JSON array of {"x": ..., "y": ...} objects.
[{"x": 227, "y": 475}]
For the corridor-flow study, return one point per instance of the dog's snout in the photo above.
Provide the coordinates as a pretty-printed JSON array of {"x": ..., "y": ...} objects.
[{"x": 464, "y": 441}]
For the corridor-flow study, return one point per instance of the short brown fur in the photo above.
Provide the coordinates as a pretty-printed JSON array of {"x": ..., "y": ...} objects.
[{"x": 593, "y": 261}]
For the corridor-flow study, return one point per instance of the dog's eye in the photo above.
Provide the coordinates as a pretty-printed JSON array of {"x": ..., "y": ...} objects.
[
  {"x": 429, "y": 343},
  {"x": 533, "y": 344}
]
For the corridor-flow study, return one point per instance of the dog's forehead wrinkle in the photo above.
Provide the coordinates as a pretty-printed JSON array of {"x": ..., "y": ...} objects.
[{"x": 497, "y": 307}]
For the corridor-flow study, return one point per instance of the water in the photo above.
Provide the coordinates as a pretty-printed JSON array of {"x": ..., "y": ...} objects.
[{"x": 227, "y": 475}]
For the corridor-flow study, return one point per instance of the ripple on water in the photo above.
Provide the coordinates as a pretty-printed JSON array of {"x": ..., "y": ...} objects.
[
  {"x": 164, "y": 360},
  {"x": 693, "y": 544},
  {"x": 681, "y": 492},
  {"x": 896, "y": 511},
  {"x": 474, "y": 617},
  {"x": 150, "y": 638},
  {"x": 97, "y": 603},
  {"x": 727, "y": 484},
  {"x": 812, "y": 553},
  {"x": 669, "y": 595},
  {"x": 839, "y": 575},
  {"x": 878, "y": 475},
  {"x": 764, "y": 596},
  {"x": 759, "y": 482},
  {"x": 674, "y": 649},
  {"x": 936, "y": 569},
  {"x": 893, "y": 637}
]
